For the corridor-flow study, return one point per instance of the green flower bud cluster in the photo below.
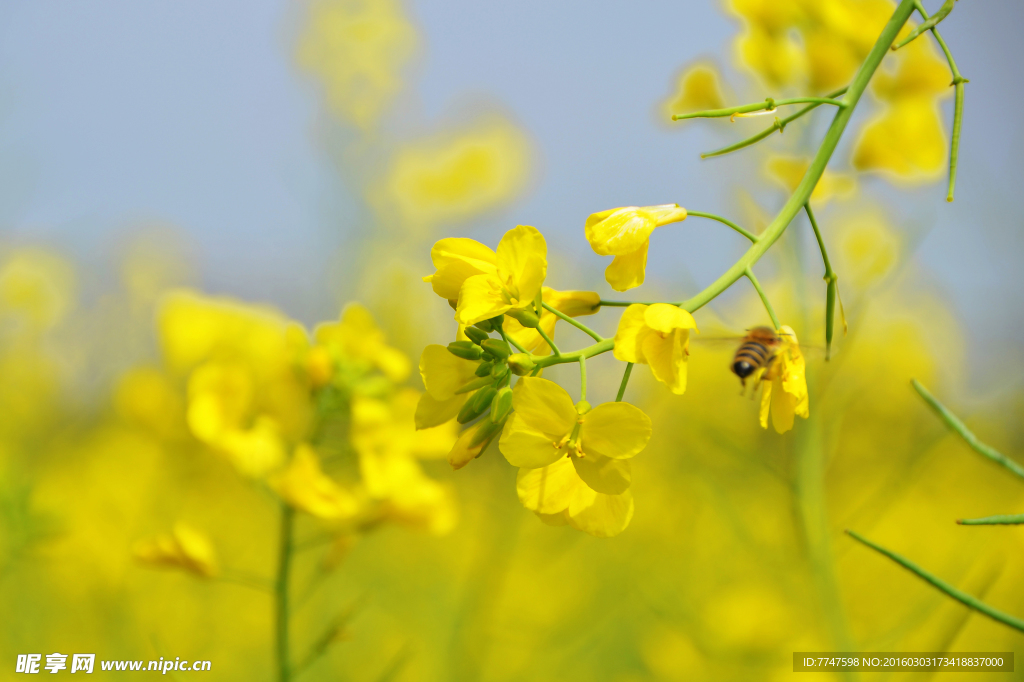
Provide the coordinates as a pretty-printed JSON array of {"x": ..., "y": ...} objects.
[{"x": 490, "y": 390}]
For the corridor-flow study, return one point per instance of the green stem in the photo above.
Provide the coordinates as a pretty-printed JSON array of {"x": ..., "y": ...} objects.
[
  {"x": 625, "y": 380},
  {"x": 779, "y": 125},
  {"x": 764, "y": 298},
  {"x": 929, "y": 23},
  {"x": 722, "y": 220},
  {"x": 548, "y": 341},
  {"x": 962, "y": 597},
  {"x": 579, "y": 325},
  {"x": 831, "y": 283},
  {"x": 509, "y": 340},
  {"x": 768, "y": 105},
  {"x": 246, "y": 580},
  {"x": 958, "y": 101},
  {"x": 954, "y": 423},
  {"x": 281, "y": 591},
  {"x": 817, "y": 167},
  {"x": 583, "y": 378},
  {"x": 1000, "y": 520},
  {"x": 588, "y": 352}
]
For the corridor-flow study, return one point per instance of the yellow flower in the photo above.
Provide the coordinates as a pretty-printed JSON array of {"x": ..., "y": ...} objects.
[
  {"x": 699, "y": 88},
  {"x": 184, "y": 548},
  {"x": 304, "y": 486},
  {"x": 571, "y": 303},
  {"x": 36, "y": 288},
  {"x": 573, "y": 462},
  {"x": 358, "y": 48},
  {"x": 625, "y": 233},
  {"x": 907, "y": 138},
  {"x": 789, "y": 171},
  {"x": 358, "y": 339},
  {"x": 455, "y": 175},
  {"x": 657, "y": 335},
  {"x": 443, "y": 374},
  {"x": 785, "y": 384},
  {"x": 521, "y": 268}
]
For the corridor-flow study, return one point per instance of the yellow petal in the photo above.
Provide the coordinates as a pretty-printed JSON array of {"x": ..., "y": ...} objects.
[
  {"x": 573, "y": 303},
  {"x": 630, "y": 335},
  {"x": 907, "y": 140},
  {"x": 627, "y": 271},
  {"x": 766, "y": 402},
  {"x": 527, "y": 447},
  {"x": 548, "y": 490},
  {"x": 783, "y": 405},
  {"x": 432, "y": 412},
  {"x": 603, "y": 474},
  {"x": 698, "y": 89},
  {"x": 665, "y": 318},
  {"x": 457, "y": 259},
  {"x": 620, "y": 231},
  {"x": 257, "y": 451},
  {"x": 545, "y": 406},
  {"x": 600, "y": 515},
  {"x": 304, "y": 486},
  {"x": 481, "y": 299},
  {"x": 667, "y": 357},
  {"x": 522, "y": 263},
  {"x": 615, "y": 430},
  {"x": 444, "y": 373}
]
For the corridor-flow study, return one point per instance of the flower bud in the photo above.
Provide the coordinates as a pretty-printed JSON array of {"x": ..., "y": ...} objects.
[
  {"x": 502, "y": 405},
  {"x": 497, "y": 348},
  {"x": 474, "y": 385},
  {"x": 499, "y": 371},
  {"x": 521, "y": 364},
  {"x": 476, "y": 405},
  {"x": 467, "y": 350},
  {"x": 484, "y": 434},
  {"x": 525, "y": 317},
  {"x": 582, "y": 407},
  {"x": 485, "y": 325},
  {"x": 484, "y": 369},
  {"x": 475, "y": 335}
]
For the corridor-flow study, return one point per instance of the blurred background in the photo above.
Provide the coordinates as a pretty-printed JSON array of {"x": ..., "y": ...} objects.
[{"x": 285, "y": 159}]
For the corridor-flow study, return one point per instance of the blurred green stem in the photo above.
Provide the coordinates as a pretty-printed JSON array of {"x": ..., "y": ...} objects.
[
  {"x": 284, "y": 563},
  {"x": 954, "y": 423},
  {"x": 768, "y": 105},
  {"x": 734, "y": 226},
  {"x": 579, "y": 325},
  {"x": 831, "y": 281},
  {"x": 764, "y": 298},
  {"x": 1000, "y": 520},
  {"x": 625, "y": 380},
  {"x": 962, "y": 597}
]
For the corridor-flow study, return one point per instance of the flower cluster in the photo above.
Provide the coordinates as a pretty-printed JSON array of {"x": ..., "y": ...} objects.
[{"x": 573, "y": 459}]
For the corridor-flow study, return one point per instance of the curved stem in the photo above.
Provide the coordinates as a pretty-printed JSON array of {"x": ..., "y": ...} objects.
[
  {"x": 768, "y": 105},
  {"x": 550, "y": 342},
  {"x": 722, "y": 220},
  {"x": 510, "y": 341},
  {"x": 929, "y": 23},
  {"x": 831, "y": 281},
  {"x": 780, "y": 125},
  {"x": 579, "y": 325},
  {"x": 764, "y": 297},
  {"x": 625, "y": 380},
  {"x": 583, "y": 378},
  {"x": 967, "y": 600},
  {"x": 954, "y": 423},
  {"x": 281, "y": 591}
]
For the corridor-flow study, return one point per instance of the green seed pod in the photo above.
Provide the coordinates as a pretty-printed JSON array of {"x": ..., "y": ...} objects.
[
  {"x": 476, "y": 405},
  {"x": 485, "y": 325},
  {"x": 526, "y": 317},
  {"x": 484, "y": 369},
  {"x": 475, "y": 384},
  {"x": 497, "y": 348},
  {"x": 502, "y": 405},
  {"x": 475, "y": 335},
  {"x": 521, "y": 364},
  {"x": 467, "y": 350}
]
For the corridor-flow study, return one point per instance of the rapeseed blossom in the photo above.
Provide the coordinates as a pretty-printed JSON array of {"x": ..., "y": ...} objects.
[
  {"x": 657, "y": 335},
  {"x": 571, "y": 303},
  {"x": 785, "y": 384},
  {"x": 625, "y": 233},
  {"x": 184, "y": 548}
]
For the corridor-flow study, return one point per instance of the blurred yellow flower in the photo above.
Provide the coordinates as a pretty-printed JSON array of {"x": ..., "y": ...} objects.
[
  {"x": 625, "y": 233},
  {"x": 36, "y": 288},
  {"x": 358, "y": 49},
  {"x": 869, "y": 248},
  {"x": 488, "y": 284},
  {"x": 785, "y": 384},
  {"x": 146, "y": 396},
  {"x": 573, "y": 461},
  {"x": 788, "y": 171},
  {"x": 389, "y": 425},
  {"x": 907, "y": 138},
  {"x": 454, "y": 176},
  {"x": 699, "y": 88},
  {"x": 657, "y": 335},
  {"x": 443, "y": 374},
  {"x": 184, "y": 548},
  {"x": 357, "y": 339},
  {"x": 305, "y": 487},
  {"x": 571, "y": 303}
]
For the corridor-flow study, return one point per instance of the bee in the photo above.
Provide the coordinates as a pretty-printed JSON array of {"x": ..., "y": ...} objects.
[{"x": 757, "y": 351}]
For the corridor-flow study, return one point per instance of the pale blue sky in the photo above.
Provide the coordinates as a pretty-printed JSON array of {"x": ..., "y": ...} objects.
[{"x": 191, "y": 113}]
